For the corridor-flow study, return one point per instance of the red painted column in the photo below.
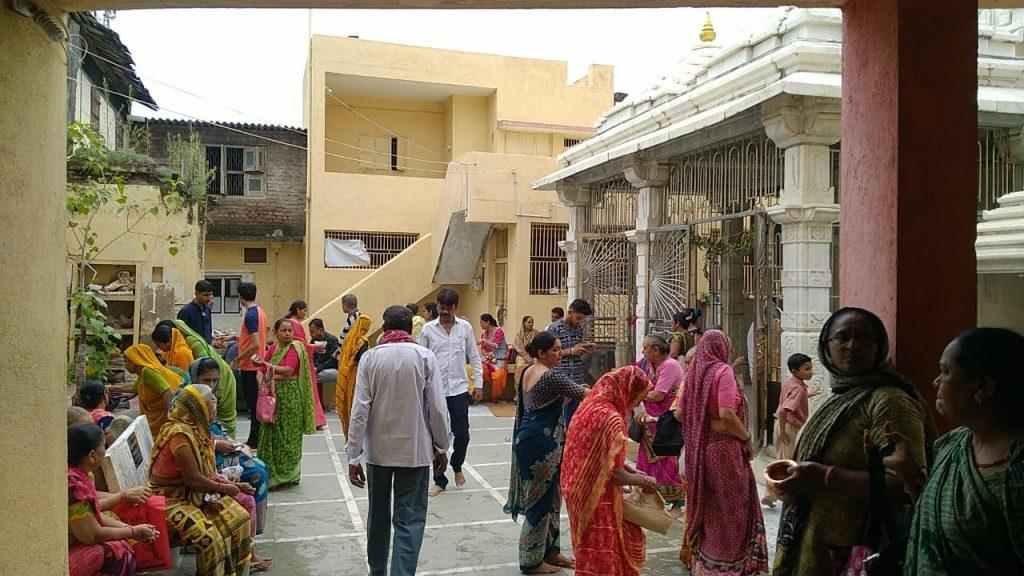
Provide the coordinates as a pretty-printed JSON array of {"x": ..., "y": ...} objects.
[{"x": 909, "y": 173}]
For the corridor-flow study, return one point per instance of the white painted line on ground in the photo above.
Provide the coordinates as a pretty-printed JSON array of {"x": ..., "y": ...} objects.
[
  {"x": 662, "y": 550},
  {"x": 315, "y": 453},
  {"x": 310, "y": 538},
  {"x": 361, "y": 536},
  {"x": 492, "y": 464},
  {"x": 494, "y": 444},
  {"x": 466, "y": 569},
  {"x": 486, "y": 485},
  {"x": 346, "y": 490},
  {"x": 305, "y": 502}
]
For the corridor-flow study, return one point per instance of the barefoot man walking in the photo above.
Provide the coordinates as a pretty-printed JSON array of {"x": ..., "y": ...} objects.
[{"x": 451, "y": 340}]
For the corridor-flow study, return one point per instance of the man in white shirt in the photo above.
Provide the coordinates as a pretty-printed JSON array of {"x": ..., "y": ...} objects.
[
  {"x": 451, "y": 339},
  {"x": 399, "y": 423}
]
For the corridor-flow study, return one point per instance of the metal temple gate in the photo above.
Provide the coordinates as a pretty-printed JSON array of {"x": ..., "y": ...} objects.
[
  {"x": 608, "y": 267},
  {"x": 715, "y": 207}
]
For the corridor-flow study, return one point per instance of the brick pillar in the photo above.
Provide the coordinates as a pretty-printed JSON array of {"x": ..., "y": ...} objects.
[{"x": 909, "y": 172}]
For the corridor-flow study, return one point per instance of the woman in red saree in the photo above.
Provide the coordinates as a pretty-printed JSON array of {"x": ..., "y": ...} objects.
[
  {"x": 594, "y": 470},
  {"x": 724, "y": 525},
  {"x": 297, "y": 312}
]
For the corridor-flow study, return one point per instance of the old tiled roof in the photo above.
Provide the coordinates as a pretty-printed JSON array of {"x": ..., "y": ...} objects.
[
  {"x": 215, "y": 123},
  {"x": 107, "y": 46}
]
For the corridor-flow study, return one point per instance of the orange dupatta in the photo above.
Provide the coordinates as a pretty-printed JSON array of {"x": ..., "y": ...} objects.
[
  {"x": 595, "y": 445},
  {"x": 180, "y": 355}
]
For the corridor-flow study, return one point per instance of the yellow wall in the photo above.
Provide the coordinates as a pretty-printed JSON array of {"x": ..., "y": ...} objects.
[
  {"x": 452, "y": 101},
  {"x": 362, "y": 202},
  {"x": 181, "y": 271},
  {"x": 33, "y": 491},
  {"x": 420, "y": 122},
  {"x": 279, "y": 282}
]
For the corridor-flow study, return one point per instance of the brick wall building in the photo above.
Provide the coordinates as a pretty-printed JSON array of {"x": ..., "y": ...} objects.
[{"x": 256, "y": 210}]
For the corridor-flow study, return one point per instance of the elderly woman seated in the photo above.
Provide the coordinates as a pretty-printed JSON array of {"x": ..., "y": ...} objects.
[
  {"x": 233, "y": 456},
  {"x": 201, "y": 507}
]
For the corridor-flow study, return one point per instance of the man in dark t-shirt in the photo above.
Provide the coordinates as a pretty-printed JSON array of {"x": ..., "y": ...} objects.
[{"x": 197, "y": 314}]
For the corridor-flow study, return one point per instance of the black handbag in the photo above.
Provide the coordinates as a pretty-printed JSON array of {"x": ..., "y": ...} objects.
[
  {"x": 636, "y": 430},
  {"x": 668, "y": 435}
]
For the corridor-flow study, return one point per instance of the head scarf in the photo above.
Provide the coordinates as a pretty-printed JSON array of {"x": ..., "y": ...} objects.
[
  {"x": 189, "y": 416},
  {"x": 849, "y": 392},
  {"x": 225, "y": 391},
  {"x": 193, "y": 374},
  {"x": 597, "y": 435},
  {"x": 180, "y": 355},
  {"x": 711, "y": 355},
  {"x": 143, "y": 356}
]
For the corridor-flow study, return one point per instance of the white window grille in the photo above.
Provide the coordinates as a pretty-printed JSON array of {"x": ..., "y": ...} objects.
[
  {"x": 381, "y": 246},
  {"x": 225, "y": 294},
  {"x": 548, "y": 264},
  {"x": 238, "y": 170}
]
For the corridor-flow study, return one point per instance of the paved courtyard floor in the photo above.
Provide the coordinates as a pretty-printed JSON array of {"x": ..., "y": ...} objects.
[{"x": 318, "y": 527}]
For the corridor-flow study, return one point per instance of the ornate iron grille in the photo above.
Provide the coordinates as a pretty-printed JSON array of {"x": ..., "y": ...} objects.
[
  {"x": 668, "y": 277},
  {"x": 728, "y": 178},
  {"x": 613, "y": 207}
]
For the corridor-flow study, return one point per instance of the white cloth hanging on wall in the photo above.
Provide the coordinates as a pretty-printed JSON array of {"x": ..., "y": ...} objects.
[{"x": 345, "y": 253}]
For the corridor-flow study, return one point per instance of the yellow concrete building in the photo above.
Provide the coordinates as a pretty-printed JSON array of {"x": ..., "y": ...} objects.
[{"x": 420, "y": 168}]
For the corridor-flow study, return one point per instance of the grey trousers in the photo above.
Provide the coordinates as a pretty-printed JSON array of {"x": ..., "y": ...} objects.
[{"x": 409, "y": 486}]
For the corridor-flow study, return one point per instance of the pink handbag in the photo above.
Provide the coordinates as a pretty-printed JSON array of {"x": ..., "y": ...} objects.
[{"x": 266, "y": 404}]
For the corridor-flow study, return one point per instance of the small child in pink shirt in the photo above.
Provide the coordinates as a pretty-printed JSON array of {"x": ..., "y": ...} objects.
[{"x": 793, "y": 409}]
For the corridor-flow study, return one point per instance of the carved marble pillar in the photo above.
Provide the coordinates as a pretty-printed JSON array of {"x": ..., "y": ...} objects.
[
  {"x": 805, "y": 127},
  {"x": 651, "y": 177},
  {"x": 577, "y": 199}
]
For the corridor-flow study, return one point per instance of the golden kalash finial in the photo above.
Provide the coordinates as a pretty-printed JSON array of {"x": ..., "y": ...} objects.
[{"x": 707, "y": 33}]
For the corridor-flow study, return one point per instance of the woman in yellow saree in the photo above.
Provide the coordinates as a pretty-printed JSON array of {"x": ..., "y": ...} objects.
[
  {"x": 347, "y": 364},
  {"x": 200, "y": 507}
]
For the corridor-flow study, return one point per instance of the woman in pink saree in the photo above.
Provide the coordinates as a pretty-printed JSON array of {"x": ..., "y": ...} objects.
[
  {"x": 724, "y": 526},
  {"x": 297, "y": 312}
]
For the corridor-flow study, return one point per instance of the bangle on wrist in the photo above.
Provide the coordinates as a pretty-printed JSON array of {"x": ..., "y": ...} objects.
[
  {"x": 828, "y": 475},
  {"x": 124, "y": 497},
  {"x": 132, "y": 530}
]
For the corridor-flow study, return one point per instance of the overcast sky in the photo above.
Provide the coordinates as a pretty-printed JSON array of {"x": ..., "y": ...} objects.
[{"x": 247, "y": 65}]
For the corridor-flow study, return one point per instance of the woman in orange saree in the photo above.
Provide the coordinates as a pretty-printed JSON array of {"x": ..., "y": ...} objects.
[{"x": 593, "y": 471}]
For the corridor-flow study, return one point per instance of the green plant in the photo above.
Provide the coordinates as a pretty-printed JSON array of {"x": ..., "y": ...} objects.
[
  {"x": 99, "y": 186},
  {"x": 128, "y": 157},
  {"x": 187, "y": 157},
  {"x": 715, "y": 247}
]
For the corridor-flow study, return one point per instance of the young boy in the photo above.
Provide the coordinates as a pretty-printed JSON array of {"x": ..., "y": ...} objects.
[{"x": 792, "y": 413}]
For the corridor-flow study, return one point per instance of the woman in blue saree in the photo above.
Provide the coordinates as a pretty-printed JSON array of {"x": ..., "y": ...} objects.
[{"x": 537, "y": 457}]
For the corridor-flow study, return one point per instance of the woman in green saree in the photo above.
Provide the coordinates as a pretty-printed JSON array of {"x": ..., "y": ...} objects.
[
  {"x": 227, "y": 403},
  {"x": 287, "y": 364},
  {"x": 969, "y": 517}
]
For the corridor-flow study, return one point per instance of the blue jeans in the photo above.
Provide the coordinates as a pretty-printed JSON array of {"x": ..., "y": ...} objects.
[
  {"x": 409, "y": 486},
  {"x": 458, "y": 417}
]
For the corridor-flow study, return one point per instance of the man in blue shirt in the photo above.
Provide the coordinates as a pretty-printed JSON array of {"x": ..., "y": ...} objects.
[
  {"x": 198, "y": 313},
  {"x": 569, "y": 331}
]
